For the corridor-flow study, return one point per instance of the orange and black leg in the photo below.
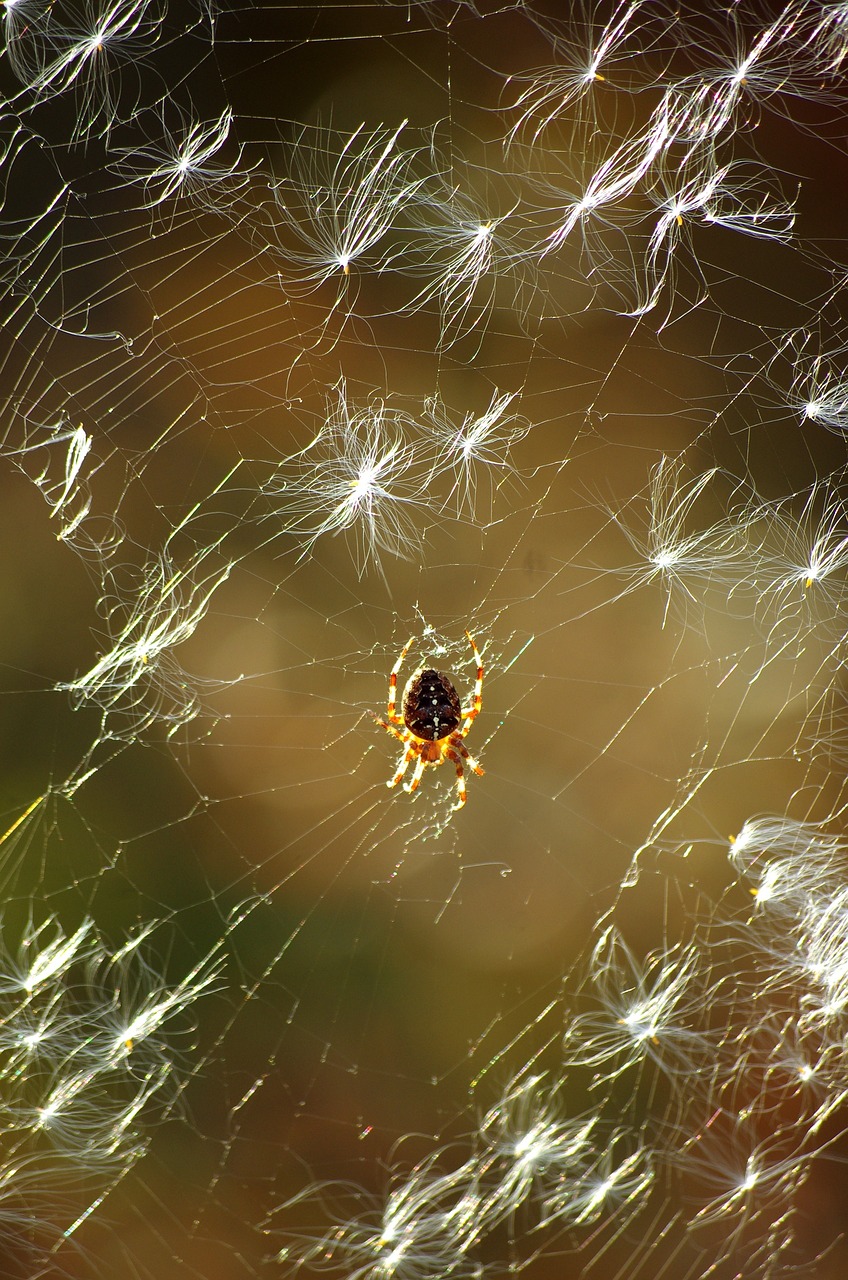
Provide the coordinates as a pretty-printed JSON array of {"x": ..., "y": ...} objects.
[
  {"x": 474, "y": 710},
  {"x": 393, "y": 679},
  {"x": 406, "y": 759}
]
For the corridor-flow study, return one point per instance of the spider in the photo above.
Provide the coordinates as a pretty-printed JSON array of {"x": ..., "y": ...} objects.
[{"x": 430, "y": 725}]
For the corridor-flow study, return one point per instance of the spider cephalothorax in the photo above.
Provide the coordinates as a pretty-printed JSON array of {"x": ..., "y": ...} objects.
[{"x": 433, "y": 723}]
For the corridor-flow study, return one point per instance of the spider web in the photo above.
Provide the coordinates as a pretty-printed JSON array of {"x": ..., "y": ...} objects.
[{"x": 324, "y": 325}]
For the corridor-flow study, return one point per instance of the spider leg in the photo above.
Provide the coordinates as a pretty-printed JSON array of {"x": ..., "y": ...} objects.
[
  {"x": 416, "y": 777},
  {"x": 460, "y": 777},
  {"x": 390, "y": 728},
  {"x": 393, "y": 675},
  {"x": 473, "y": 711},
  {"x": 404, "y": 765},
  {"x": 459, "y": 745}
]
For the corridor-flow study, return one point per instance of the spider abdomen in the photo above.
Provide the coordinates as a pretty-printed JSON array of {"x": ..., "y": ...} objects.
[{"x": 431, "y": 706}]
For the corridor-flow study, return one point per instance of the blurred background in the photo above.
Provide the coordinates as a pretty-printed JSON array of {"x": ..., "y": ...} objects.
[{"x": 313, "y": 341}]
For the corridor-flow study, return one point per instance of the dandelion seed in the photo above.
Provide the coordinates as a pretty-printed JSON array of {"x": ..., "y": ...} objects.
[
  {"x": 646, "y": 1011},
  {"x": 339, "y": 201},
  {"x": 529, "y": 1146},
  {"x": 478, "y": 448},
  {"x": 185, "y": 162},
  {"x": 39, "y": 964},
  {"x": 363, "y": 474},
  {"x": 138, "y": 678},
  {"x": 819, "y": 391},
  {"x": 615, "y": 179},
  {"x": 463, "y": 249},
  {"x": 715, "y": 555},
  {"x": 92, "y": 51}
]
